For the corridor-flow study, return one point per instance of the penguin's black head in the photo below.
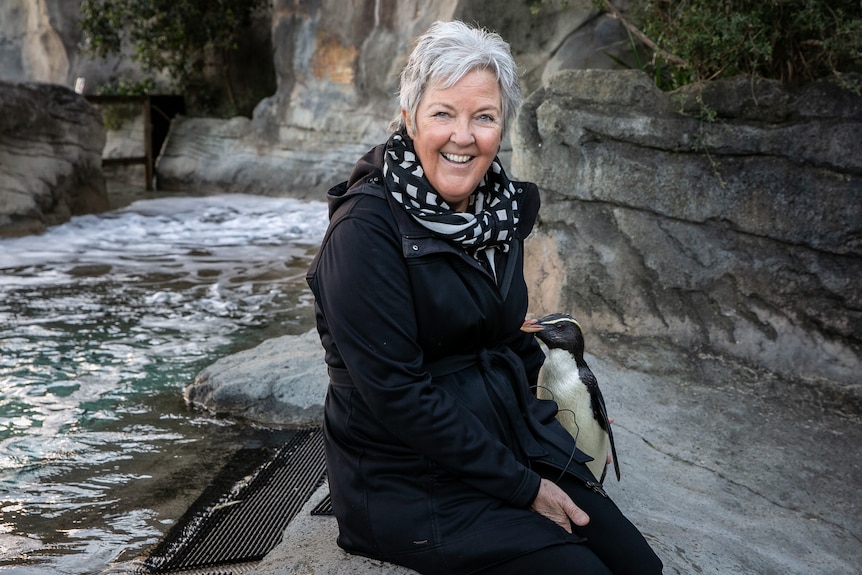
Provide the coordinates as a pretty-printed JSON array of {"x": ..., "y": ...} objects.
[{"x": 558, "y": 331}]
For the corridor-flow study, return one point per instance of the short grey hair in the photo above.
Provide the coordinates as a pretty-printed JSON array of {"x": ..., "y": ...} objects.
[{"x": 446, "y": 53}]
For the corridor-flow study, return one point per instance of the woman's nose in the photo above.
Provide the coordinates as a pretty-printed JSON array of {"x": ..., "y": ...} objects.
[{"x": 462, "y": 132}]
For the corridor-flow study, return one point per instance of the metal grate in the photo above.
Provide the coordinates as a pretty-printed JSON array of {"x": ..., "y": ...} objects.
[
  {"x": 324, "y": 507},
  {"x": 245, "y": 524}
]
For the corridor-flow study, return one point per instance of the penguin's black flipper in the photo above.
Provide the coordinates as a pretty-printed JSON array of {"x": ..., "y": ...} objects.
[{"x": 600, "y": 413}]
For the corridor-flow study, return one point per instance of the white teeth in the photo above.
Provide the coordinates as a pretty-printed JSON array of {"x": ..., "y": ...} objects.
[{"x": 457, "y": 159}]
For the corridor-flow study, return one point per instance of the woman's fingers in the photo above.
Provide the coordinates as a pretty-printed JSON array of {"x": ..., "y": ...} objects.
[{"x": 553, "y": 503}]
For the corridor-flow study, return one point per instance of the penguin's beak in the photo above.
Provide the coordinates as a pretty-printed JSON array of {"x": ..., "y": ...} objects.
[{"x": 531, "y": 326}]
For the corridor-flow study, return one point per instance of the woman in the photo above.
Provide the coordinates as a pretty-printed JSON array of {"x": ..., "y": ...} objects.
[{"x": 439, "y": 456}]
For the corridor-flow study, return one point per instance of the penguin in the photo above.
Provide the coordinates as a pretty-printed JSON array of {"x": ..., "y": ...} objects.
[{"x": 567, "y": 379}]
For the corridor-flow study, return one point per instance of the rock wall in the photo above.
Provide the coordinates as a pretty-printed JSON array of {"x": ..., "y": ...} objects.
[
  {"x": 336, "y": 68},
  {"x": 51, "y": 143},
  {"x": 337, "y": 65},
  {"x": 724, "y": 219}
]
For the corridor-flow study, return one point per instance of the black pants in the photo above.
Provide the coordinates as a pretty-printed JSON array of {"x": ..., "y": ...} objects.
[{"x": 613, "y": 545}]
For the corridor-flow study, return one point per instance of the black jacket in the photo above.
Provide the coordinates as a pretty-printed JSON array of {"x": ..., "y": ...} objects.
[{"x": 431, "y": 428}]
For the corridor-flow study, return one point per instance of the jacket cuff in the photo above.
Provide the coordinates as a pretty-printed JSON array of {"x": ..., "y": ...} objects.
[{"x": 526, "y": 493}]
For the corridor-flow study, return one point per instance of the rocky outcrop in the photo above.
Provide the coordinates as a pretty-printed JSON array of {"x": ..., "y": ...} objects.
[
  {"x": 723, "y": 219},
  {"x": 232, "y": 156},
  {"x": 51, "y": 143},
  {"x": 280, "y": 382},
  {"x": 337, "y": 67}
]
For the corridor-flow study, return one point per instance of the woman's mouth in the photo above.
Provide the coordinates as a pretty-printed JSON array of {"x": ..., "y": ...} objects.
[{"x": 456, "y": 158}]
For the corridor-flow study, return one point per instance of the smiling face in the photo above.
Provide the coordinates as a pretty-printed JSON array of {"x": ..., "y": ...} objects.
[{"x": 457, "y": 134}]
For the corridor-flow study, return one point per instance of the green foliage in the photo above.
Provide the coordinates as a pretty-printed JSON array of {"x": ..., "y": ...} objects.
[
  {"x": 795, "y": 41},
  {"x": 173, "y": 37},
  {"x": 117, "y": 114},
  {"x": 124, "y": 88}
]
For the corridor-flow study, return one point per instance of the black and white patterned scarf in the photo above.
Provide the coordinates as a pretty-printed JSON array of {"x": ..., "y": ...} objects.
[{"x": 491, "y": 216}]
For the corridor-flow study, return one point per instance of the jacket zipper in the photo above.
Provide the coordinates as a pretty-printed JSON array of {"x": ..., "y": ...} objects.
[{"x": 596, "y": 487}]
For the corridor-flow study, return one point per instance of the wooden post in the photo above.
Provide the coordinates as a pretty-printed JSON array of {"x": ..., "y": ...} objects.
[{"x": 148, "y": 142}]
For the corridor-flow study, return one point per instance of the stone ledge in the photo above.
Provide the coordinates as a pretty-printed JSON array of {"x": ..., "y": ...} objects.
[
  {"x": 722, "y": 471},
  {"x": 308, "y": 548}
]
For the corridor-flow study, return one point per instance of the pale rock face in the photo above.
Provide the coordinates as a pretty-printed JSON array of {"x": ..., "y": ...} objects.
[
  {"x": 31, "y": 48},
  {"x": 338, "y": 68},
  {"x": 40, "y": 41},
  {"x": 43, "y": 51}
]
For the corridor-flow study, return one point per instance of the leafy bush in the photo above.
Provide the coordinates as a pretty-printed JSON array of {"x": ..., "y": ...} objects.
[
  {"x": 175, "y": 37},
  {"x": 795, "y": 41}
]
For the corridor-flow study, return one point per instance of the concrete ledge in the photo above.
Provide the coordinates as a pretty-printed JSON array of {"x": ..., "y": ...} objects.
[{"x": 309, "y": 548}]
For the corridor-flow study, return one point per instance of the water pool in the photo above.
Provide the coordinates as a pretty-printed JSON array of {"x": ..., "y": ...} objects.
[{"x": 103, "y": 321}]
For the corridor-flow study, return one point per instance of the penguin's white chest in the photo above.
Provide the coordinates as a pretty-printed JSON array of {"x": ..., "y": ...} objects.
[{"x": 559, "y": 380}]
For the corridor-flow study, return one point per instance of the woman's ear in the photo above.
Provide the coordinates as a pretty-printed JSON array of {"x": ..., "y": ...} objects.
[{"x": 407, "y": 123}]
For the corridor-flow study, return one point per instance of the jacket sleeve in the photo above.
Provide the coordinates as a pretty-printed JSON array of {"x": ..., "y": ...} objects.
[{"x": 362, "y": 288}]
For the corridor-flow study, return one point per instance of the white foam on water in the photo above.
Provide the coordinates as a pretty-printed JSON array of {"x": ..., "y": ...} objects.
[{"x": 148, "y": 232}]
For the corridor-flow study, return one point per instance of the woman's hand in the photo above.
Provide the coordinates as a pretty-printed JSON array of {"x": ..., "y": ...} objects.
[{"x": 556, "y": 505}]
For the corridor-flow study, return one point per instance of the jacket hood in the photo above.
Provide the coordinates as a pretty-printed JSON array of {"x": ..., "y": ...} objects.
[{"x": 368, "y": 168}]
